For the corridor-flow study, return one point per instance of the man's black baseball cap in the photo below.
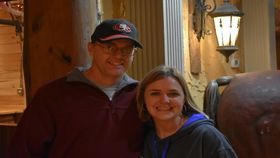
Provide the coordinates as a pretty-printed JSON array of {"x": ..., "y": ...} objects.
[{"x": 116, "y": 29}]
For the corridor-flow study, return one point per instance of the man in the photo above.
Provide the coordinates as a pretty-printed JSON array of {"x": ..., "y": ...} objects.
[{"x": 88, "y": 113}]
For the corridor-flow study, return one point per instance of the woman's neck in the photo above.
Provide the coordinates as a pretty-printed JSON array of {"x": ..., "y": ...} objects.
[{"x": 167, "y": 128}]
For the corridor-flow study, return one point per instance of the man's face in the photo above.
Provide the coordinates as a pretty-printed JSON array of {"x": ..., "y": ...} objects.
[{"x": 112, "y": 59}]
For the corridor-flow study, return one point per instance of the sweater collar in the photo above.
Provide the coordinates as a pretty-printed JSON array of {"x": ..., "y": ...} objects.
[{"x": 76, "y": 75}]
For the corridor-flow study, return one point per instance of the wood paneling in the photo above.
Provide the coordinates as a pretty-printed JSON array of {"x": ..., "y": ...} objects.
[
  {"x": 194, "y": 46},
  {"x": 48, "y": 42},
  {"x": 10, "y": 67},
  {"x": 11, "y": 104}
]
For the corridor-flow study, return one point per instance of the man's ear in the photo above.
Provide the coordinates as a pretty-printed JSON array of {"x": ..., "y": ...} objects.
[{"x": 90, "y": 47}]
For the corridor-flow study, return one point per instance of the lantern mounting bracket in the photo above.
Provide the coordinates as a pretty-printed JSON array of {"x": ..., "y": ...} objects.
[{"x": 201, "y": 9}]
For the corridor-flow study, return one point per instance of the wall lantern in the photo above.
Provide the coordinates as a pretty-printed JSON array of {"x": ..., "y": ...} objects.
[{"x": 227, "y": 23}]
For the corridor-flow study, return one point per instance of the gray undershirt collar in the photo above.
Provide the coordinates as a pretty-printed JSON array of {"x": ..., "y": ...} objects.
[{"x": 77, "y": 75}]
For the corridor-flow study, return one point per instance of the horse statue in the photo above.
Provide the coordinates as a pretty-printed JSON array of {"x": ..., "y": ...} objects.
[{"x": 247, "y": 112}]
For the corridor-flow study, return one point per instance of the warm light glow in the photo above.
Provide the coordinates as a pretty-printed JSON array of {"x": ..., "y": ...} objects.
[{"x": 227, "y": 28}]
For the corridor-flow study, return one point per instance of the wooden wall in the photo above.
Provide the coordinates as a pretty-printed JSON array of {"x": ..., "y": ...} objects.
[
  {"x": 56, "y": 36},
  {"x": 10, "y": 67},
  {"x": 48, "y": 42},
  {"x": 11, "y": 103}
]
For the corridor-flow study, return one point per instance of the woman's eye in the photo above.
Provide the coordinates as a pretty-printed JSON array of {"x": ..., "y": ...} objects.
[
  {"x": 173, "y": 94},
  {"x": 154, "y": 93}
]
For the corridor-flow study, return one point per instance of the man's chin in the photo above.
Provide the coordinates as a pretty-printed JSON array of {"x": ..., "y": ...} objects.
[{"x": 117, "y": 73}]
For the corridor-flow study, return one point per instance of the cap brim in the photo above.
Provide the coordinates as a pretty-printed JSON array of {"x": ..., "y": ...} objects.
[{"x": 113, "y": 37}]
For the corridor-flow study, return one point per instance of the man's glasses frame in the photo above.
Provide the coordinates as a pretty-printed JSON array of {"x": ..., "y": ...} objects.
[{"x": 111, "y": 49}]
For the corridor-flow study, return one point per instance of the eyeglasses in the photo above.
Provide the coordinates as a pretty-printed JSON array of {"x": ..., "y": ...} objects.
[{"x": 112, "y": 49}]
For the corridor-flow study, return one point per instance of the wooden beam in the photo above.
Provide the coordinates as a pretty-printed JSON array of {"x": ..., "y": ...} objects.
[{"x": 194, "y": 46}]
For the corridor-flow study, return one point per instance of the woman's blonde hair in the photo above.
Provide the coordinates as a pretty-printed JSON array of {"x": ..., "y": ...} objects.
[{"x": 156, "y": 74}]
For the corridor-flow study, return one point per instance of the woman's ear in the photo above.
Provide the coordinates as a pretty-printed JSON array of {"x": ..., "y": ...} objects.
[{"x": 185, "y": 109}]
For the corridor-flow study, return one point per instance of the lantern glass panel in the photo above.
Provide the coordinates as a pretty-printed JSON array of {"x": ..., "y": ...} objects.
[{"x": 227, "y": 28}]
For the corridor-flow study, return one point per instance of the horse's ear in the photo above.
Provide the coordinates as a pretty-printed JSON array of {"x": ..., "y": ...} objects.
[{"x": 212, "y": 95}]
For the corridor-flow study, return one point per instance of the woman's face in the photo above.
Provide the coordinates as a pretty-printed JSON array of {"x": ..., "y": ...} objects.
[{"x": 164, "y": 99}]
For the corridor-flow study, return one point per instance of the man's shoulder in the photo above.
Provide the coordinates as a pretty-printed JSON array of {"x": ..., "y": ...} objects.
[
  {"x": 52, "y": 86},
  {"x": 61, "y": 81},
  {"x": 55, "y": 82}
]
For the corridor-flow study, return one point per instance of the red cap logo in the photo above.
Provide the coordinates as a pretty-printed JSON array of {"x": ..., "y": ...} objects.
[{"x": 122, "y": 28}]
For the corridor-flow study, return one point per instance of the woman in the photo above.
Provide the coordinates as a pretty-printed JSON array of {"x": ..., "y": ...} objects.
[{"x": 179, "y": 128}]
